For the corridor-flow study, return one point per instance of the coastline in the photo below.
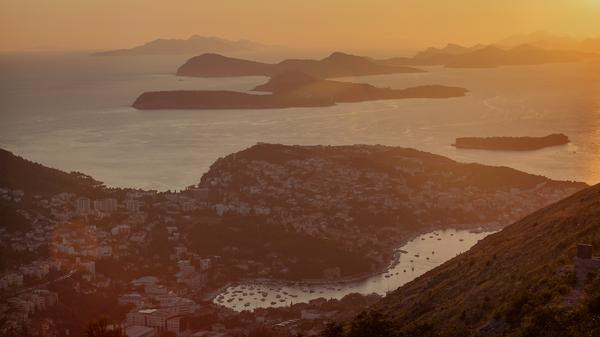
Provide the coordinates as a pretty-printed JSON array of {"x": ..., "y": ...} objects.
[{"x": 396, "y": 255}]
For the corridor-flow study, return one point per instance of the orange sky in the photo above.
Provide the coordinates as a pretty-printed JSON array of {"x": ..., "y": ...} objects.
[{"x": 328, "y": 24}]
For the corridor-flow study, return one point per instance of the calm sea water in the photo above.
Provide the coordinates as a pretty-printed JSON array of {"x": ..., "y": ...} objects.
[
  {"x": 422, "y": 254},
  {"x": 73, "y": 112}
]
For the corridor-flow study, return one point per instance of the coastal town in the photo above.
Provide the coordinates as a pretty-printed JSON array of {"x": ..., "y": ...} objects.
[
  {"x": 354, "y": 194},
  {"x": 68, "y": 248},
  {"x": 161, "y": 259}
]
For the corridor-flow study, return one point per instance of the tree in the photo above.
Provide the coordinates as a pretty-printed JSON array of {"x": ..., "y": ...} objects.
[
  {"x": 371, "y": 324},
  {"x": 100, "y": 329},
  {"x": 167, "y": 334},
  {"x": 333, "y": 330}
]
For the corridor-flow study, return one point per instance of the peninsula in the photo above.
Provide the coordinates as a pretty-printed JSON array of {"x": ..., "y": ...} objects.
[
  {"x": 511, "y": 143},
  {"x": 335, "y": 65},
  {"x": 289, "y": 89}
]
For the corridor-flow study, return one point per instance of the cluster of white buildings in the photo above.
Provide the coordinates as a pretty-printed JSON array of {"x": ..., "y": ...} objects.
[
  {"x": 320, "y": 196},
  {"x": 156, "y": 308},
  {"x": 11, "y": 280},
  {"x": 79, "y": 230},
  {"x": 191, "y": 276},
  {"x": 11, "y": 195},
  {"x": 18, "y": 310},
  {"x": 35, "y": 270}
]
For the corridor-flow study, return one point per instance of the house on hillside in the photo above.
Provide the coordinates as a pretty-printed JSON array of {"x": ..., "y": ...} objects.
[{"x": 585, "y": 263}]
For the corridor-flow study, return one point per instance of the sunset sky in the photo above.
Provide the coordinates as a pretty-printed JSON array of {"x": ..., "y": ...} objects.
[{"x": 330, "y": 24}]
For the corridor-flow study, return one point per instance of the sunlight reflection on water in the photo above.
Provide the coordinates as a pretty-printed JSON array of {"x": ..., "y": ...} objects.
[
  {"x": 75, "y": 115},
  {"x": 423, "y": 253}
]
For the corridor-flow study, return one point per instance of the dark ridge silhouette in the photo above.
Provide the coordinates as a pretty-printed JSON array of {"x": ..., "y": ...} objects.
[
  {"x": 521, "y": 281},
  {"x": 481, "y": 56},
  {"x": 288, "y": 89},
  {"x": 194, "y": 45},
  {"x": 22, "y": 174},
  {"x": 511, "y": 143},
  {"x": 200, "y": 99},
  {"x": 335, "y": 65}
]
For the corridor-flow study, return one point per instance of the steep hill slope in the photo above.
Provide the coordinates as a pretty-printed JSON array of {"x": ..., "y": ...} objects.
[
  {"x": 517, "y": 282},
  {"x": 21, "y": 174}
]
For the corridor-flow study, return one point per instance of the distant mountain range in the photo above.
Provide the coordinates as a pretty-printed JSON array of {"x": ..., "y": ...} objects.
[
  {"x": 481, "y": 56},
  {"x": 288, "y": 89},
  {"x": 194, "y": 45},
  {"x": 335, "y": 65},
  {"x": 521, "y": 281},
  {"x": 547, "y": 40}
]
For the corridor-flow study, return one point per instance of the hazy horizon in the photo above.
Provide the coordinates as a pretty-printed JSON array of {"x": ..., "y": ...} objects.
[
  {"x": 69, "y": 25},
  {"x": 285, "y": 168}
]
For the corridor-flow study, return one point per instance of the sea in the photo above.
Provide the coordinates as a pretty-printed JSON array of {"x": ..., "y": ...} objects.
[{"x": 72, "y": 111}]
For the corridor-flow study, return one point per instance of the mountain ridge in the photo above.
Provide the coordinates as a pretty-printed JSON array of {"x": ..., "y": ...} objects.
[
  {"x": 337, "y": 64},
  {"x": 193, "y": 45},
  {"x": 489, "y": 56}
]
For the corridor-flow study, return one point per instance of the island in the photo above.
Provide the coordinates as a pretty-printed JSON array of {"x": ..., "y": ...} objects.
[
  {"x": 511, "y": 143},
  {"x": 192, "y": 46},
  {"x": 335, "y": 65},
  {"x": 289, "y": 89}
]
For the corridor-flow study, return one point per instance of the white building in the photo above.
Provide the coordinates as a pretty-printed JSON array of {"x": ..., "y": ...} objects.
[
  {"x": 108, "y": 205},
  {"x": 158, "y": 319},
  {"x": 139, "y": 331},
  {"x": 132, "y": 298},
  {"x": 83, "y": 206},
  {"x": 121, "y": 230}
]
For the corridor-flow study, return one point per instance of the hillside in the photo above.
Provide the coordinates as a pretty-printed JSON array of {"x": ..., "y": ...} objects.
[
  {"x": 21, "y": 181},
  {"x": 194, "y": 45},
  {"x": 335, "y": 65},
  {"x": 288, "y": 89},
  {"x": 20, "y": 174},
  {"x": 517, "y": 282}
]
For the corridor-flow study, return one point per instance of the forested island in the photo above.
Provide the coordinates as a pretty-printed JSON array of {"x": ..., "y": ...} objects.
[
  {"x": 511, "y": 143},
  {"x": 335, "y": 65},
  {"x": 289, "y": 89}
]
